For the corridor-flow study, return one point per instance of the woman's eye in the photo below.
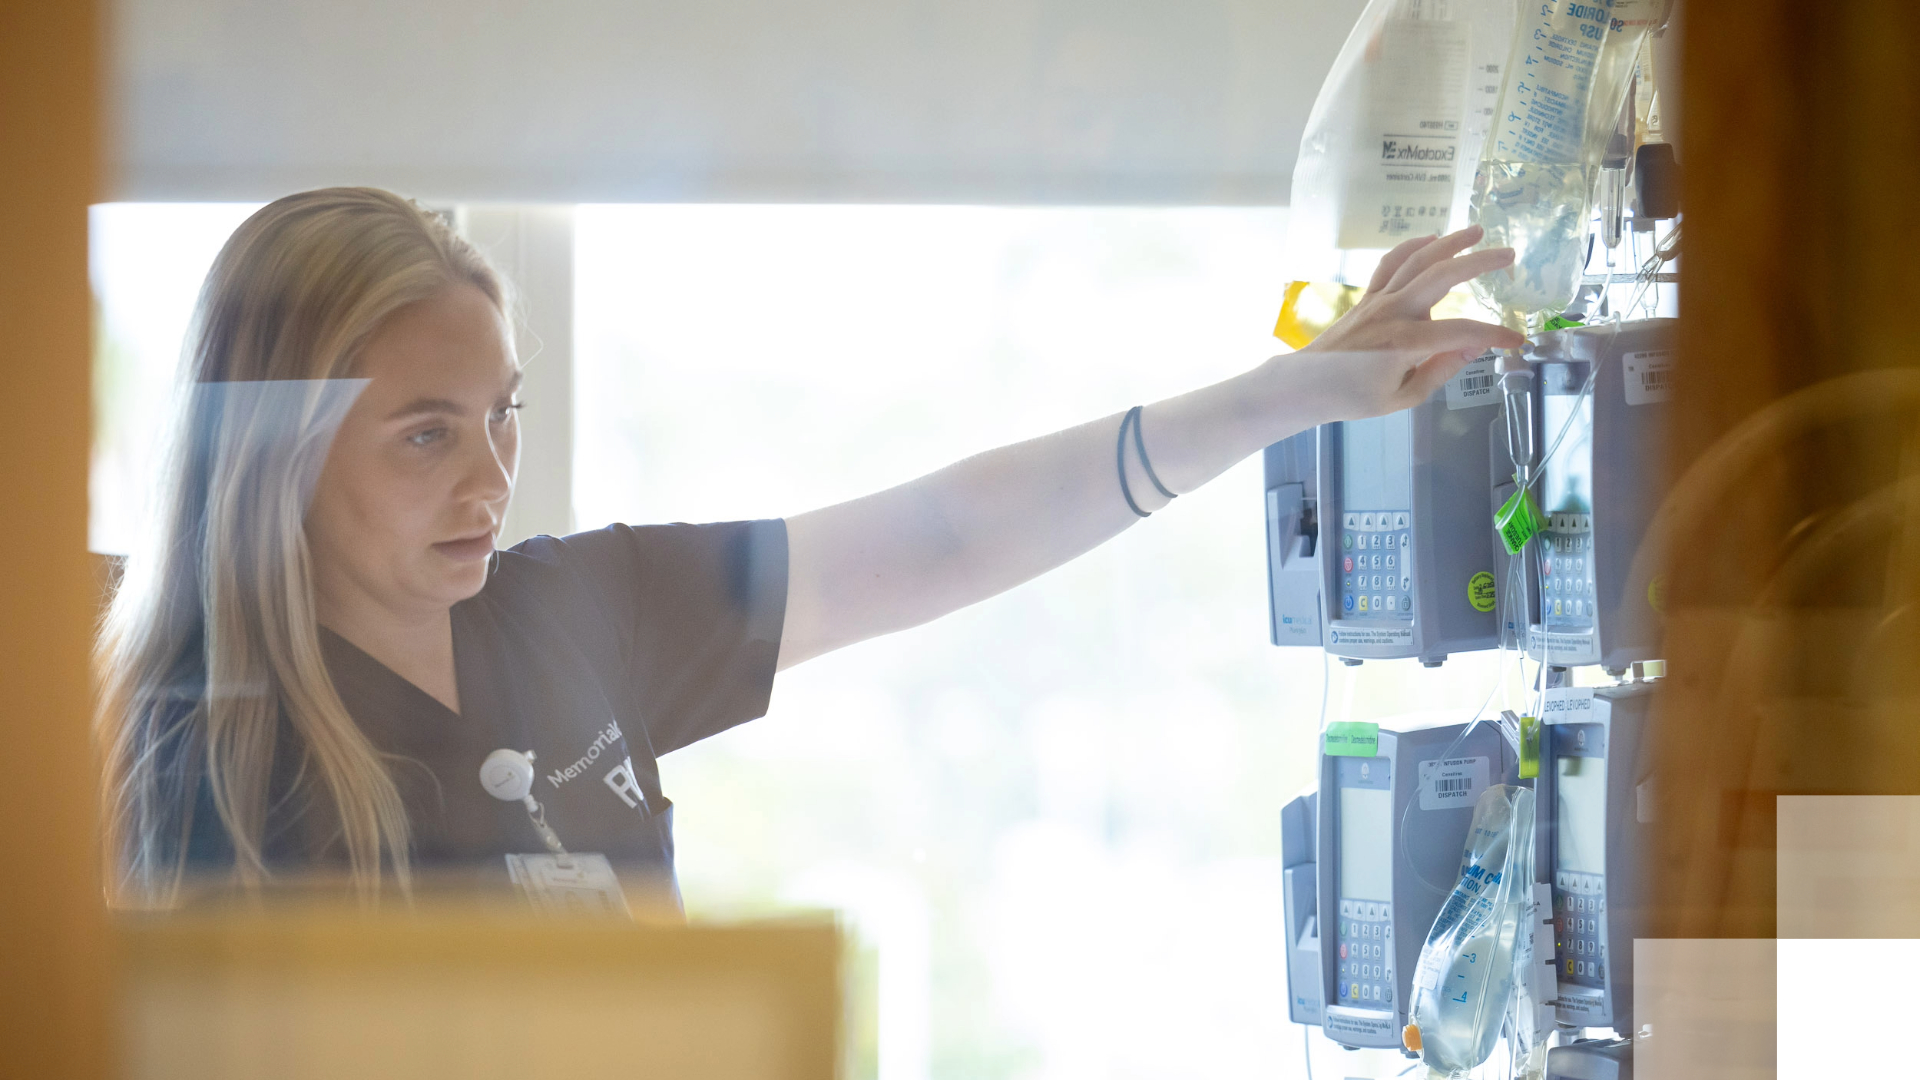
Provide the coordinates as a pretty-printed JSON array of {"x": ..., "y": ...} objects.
[
  {"x": 501, "y": 414},
  {"x": 427, "y": 437}
]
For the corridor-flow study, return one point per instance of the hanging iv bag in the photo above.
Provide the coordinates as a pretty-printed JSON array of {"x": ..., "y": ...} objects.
[
  {"x": 1465, "y": 980},
  {"x": 1566, "y": 80},
  {"x": 1389, "y": 147}
]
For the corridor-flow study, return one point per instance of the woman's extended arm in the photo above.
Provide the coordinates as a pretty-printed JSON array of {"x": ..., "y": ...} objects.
[{"x": 912, "y": 553}]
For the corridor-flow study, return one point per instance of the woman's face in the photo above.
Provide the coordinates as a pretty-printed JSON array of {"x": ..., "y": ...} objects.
[{"x": 416, "y": 484}]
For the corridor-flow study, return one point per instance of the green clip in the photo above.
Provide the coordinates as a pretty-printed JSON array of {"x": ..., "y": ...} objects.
[
  {"x": 1560, "y": 322},
  {"x": 1518, "y": 521},
  {"x": 1351, "y": 738},
  {"x": 1529, "y": 747}
]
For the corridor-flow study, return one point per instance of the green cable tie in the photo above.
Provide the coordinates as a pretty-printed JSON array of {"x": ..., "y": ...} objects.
[
  {"x": 1518, "y": 521},
  {"x": 1529, "y": 747}
]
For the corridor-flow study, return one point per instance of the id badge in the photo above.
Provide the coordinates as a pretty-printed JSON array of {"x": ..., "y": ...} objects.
[{"x": 573, "y": 884}]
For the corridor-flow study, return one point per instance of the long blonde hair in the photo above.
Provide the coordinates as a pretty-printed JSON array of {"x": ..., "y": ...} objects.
[{"x": 210, "y": 650}]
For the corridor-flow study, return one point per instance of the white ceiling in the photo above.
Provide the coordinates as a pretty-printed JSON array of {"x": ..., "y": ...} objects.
[{"x": 1079, "y": 101}]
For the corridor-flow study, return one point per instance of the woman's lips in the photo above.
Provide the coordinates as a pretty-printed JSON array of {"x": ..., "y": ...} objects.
[{"x": 468, "y": 550}]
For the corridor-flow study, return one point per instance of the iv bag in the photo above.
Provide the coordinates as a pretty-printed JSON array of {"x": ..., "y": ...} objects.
[
  {"x": 1567, "y": 76},
  {"x": 1390, "y": 145},
  {"x": 1465, "y": 979}
]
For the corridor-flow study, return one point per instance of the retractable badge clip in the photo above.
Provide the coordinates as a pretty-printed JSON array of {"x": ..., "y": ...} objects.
[
  {"x": 556, "y": 883},
  {"x": 508, "y": 776}
]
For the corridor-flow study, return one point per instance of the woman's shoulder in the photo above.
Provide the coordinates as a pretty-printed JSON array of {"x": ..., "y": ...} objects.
[{"x": 671, "y": 555}]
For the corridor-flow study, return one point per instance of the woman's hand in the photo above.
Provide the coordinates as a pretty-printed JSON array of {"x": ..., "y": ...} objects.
[{"x": 1389, "y": 352}]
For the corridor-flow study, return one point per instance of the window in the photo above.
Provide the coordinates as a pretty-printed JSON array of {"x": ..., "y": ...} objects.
[
  {"x": 147, "y": 263},
  {"x": 1055, "y": 815}
]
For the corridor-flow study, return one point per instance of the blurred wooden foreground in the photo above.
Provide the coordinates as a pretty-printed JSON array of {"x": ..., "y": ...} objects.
[
  {"x": 474, "y": 993},
  {"x": 1793, "y": 636}
]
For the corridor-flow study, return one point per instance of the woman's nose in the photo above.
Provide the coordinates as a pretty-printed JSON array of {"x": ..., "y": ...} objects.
[{"x": 490, "y": 468}]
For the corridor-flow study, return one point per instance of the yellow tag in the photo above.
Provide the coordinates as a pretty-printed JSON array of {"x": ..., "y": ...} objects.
[
  {"x": 1480, "y": 591},
  {"x": 1309, "y": 307}
]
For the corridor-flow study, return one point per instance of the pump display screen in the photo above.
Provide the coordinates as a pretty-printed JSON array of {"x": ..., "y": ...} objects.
[
  {"x": 1377, "y": 463},
  {"x": 1567, "y": 476},
  {"x": 1366, "y": 844},
  {"x": 1580, "y": 814},
  {"x": 1376, "y": 500}
]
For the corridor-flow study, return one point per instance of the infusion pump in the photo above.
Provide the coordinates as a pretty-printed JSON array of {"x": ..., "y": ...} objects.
[
  {"x": 1592, "y": 593},
  {"x": 1407, "y": 563},
  {"x": 1379, "y": 541},
  {"x": 1592, "y": 836},
  {"x": 1391, "y": 828}
]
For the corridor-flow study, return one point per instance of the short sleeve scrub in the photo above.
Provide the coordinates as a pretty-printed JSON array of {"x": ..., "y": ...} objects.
[{"x": 599, "y": 652}]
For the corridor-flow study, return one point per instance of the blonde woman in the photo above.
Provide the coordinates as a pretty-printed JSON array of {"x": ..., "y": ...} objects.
[{"x": 319, "y": 645}]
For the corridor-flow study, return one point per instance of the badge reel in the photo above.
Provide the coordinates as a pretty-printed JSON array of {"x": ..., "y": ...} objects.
[{"x": 555, "y": 883}]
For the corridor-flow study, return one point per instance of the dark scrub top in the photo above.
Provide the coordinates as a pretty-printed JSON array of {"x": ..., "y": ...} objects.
[{"x": 598, "y": 652}]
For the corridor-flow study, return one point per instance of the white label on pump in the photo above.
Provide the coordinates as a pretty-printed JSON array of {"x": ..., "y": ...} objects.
[
  {"x": 1452, "y": 783},
  {"x": 1649, "y": 376},
  {"x": 1567, "y": 705},
  {"x": 1372, "y": 635},
  {"x": 1474, "y": 385},
  {"x": 1565, "y": 649}
]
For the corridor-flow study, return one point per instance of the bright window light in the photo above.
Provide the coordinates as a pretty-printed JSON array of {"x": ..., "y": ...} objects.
[
  {"x": 1054, "y": 816},
  {"x": 147, "y": 261}
]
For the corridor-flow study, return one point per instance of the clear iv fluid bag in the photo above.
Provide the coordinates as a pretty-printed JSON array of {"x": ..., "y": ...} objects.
[
  {"x": 1465, "y": 978},
  {"x": 1566, "y": 79},
  {"x": 1390, "y": 146}
]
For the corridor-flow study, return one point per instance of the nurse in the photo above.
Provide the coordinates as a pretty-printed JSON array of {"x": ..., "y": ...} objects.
[{"x": 319, "y": 644}]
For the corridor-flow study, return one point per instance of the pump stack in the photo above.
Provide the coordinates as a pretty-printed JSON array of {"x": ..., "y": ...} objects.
[{"x": 1515, "y": 510}]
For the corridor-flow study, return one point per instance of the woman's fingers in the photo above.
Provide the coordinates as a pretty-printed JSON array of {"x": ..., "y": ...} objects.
[
  {"x": 1393, "y": 260},
  {"x": 1434, "y": 282},
  {"x": 1468, "y": 335},
  {"x": 1439, "y": 251},
  {"x": 1432, "y": 373}
]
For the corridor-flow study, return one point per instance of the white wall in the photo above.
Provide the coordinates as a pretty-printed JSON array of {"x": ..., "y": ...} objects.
[{"x": 1096, "y": 101}]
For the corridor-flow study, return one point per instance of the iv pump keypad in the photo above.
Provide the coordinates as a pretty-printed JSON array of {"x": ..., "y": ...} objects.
[
  {"x": 1579, "y": 924},
  {"x": 1376, "y": 565},
  {"x": 1366, "y": 954},
  {"x": 1566, "y": 572}
]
